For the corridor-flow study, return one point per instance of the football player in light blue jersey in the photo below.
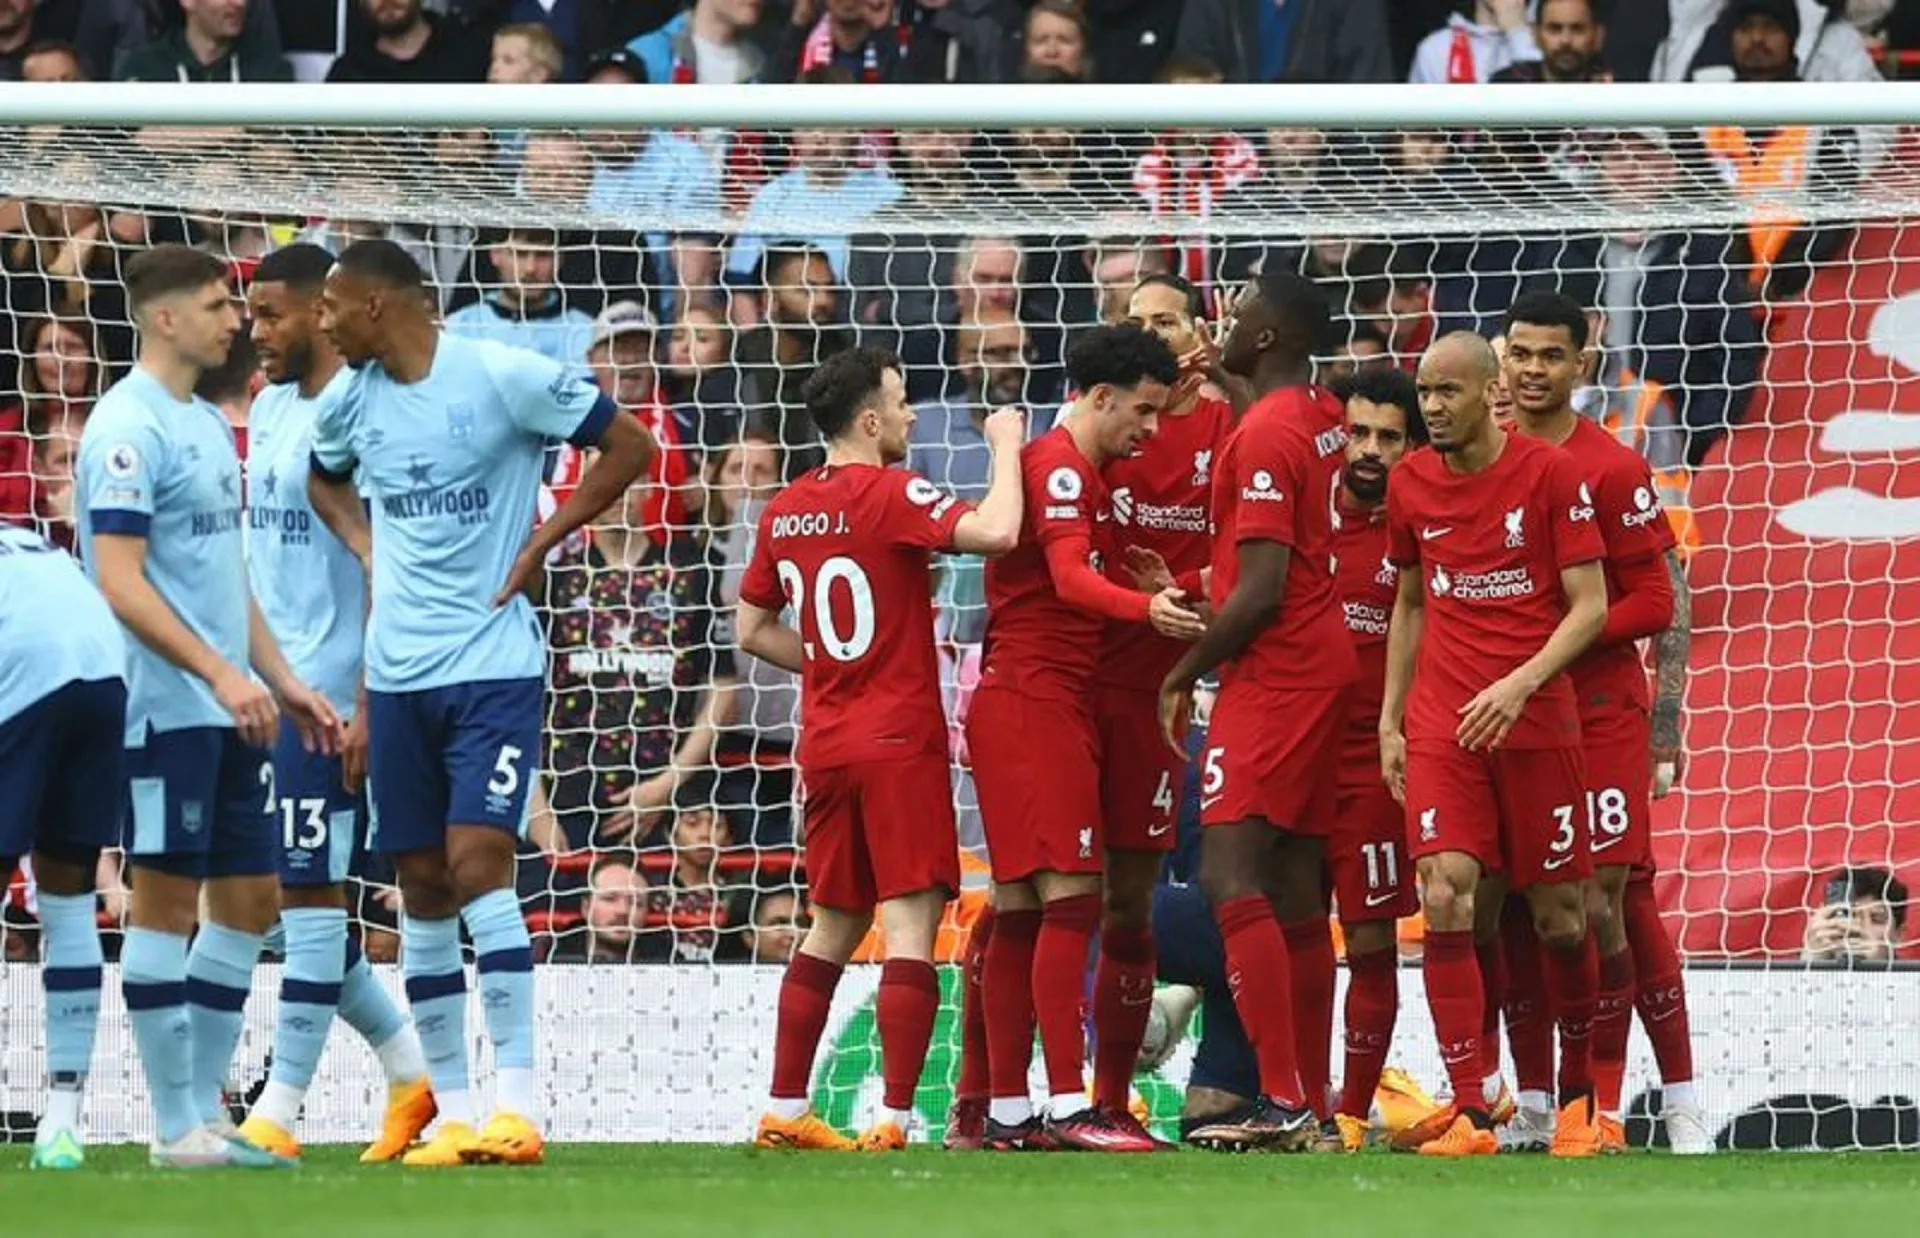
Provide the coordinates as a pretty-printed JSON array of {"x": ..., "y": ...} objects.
[
  {"x": 312, "y": 590},
  {"x": 157, "y": 498},
  {"x": 63, "y": 709},
  {"x": 446, "y": 435}
]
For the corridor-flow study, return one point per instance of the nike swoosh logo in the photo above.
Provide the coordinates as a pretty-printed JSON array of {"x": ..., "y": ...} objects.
[
  {"x": 1663, "y": 1016},
  {"x": 1155, "y": 831},
  {"x": 1611, "y": 842},
  {"x": 1375, "y": 900},
  {"x": 1429, "y": 533},
  {"x": 1208, "y": 801},
  {"x": 1562, "y": 862}
]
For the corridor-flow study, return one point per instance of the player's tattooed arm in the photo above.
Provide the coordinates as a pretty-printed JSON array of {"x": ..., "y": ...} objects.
[
  {"x": 761, "y": 634},
  {"x": 1671, "y": 650}
]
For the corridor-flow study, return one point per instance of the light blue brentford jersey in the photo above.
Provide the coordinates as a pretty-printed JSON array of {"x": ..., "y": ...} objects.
[
  {"x": 308, "y": 584},
  {"x": 165, "y": 469},
  {"x": 55, "y": 628},
  {"x": 451, "y": 465}
]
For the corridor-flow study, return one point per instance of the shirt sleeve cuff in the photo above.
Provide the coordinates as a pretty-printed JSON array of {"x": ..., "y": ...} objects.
[
  {"x": 320, "y": 467},
  {"x": 594, "y": 425},
  {"x": 120, "y": 523}
]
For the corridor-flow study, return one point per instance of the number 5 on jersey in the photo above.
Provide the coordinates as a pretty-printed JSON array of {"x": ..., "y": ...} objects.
[{"x": 841, "y": 646}]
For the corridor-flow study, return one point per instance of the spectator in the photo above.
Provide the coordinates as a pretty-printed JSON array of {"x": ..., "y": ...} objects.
[
  {"x": 986, "y": 278},
  {"x": 108, "y": 30},
  {"x": 230, "y": 387},
  {"x": 1361, "y": 346},
  {"x": 1862, "y": 918},
  {"x": 694, "y": 899},
  {"x": 409, "y": 44},
  {"x": 1473, "y": 49},
  {"x": 701, "y": 388},
  {"x": 824, "y": 183},
  {"x": 525, "y": 54},
  {"x": 1132, "y": 38},
  {"x": 210, "y": 45},
  {"x": 913, "y": 41},
  {"x": 56, "y": 445},
  {"x": 640, "y": 680},
  {"x": 775, "y": 923},
  {"x": 63, "y": 259},
  {"x": 1117, "y": 267},
  {"x": 1821, "y": 45},
  {"x": 613, "y": 918},
  {"x": 1268, "y": 41},
  {"x": 561, "y": 19},
  {"x": 59, "y": 379},
  {"x": 1569, "y": 36},
  {"x": 715, "y": 42},
  {"x": 604, "y": 24},
  {"x": 17, "y": 36},
  {"x": 49, "y": 60},
  {"x": 621, "y": 358},
  {"x": 1055, "y": 36},
  {"x": 525, "y": 307},
  {"x": 1392, "y": 290},
  {"x": 442, "y": 250},
  {"x": 805, "y": 316},
  {"x": 1194, "y": 175}
]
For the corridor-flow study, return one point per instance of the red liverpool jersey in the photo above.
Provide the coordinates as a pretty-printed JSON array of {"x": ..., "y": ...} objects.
[
  {"x": 1612, "y": 680},
  {"x": 1160, "y": 496},
  {"x": 1275, "y": 481},
  {"x": 1368, "y": 581},
  {"x": 847, "y": 547},
  {"x": 1035, "y": 641},
  {"x": 1490, "y": 547}
]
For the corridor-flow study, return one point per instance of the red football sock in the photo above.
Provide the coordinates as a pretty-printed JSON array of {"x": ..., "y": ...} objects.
[
  {"x": 1006, "y": 990},
  {"x": 1458, "y": 1004},
  {"x": 806, "y": 994},
  {"x": 1310, "y": 964},
  {"x": 1529, "y": 1026},
  {"x": 1661, "y": 991},
  {"x": 1122, "y": 1002},
  {"x": 1373, "y": 1000},
  {"x": 1492, "y": 957},
  {"x": 973, "y": 1013},
  {"x": 908, "y": 1000},
  {"x": 1067, "y": 926},
  {"x": 1258, "y": 977},
  {"x": 1573, "y": 985},
  {"x": 1612, "y": 1020}
]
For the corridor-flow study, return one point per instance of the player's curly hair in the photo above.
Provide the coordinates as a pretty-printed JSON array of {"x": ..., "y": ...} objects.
[
  {"x": 302, "y": 267},
  {"x": 1549, "y": 307},
  {"x": 1389, "y": 385},
  {"x": 844, "y": 384},
  {"x": 1120, "y": 355}
]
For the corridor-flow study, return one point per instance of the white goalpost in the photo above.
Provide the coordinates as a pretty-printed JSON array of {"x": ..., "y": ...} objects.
[{"x": 1751, "y": 263}]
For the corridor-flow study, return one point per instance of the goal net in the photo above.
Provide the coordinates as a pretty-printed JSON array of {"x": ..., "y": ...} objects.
[{"x": 1754, "y": 291}]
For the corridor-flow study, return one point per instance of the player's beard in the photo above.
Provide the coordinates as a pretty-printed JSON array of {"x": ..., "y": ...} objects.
[{"x": 1368, "y": 487}]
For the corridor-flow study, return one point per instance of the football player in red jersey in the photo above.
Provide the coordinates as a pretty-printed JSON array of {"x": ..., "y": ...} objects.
[
  {"x": 1160, "y": 498},
  {"x": 1268, "y": 772},
  {"x": 847, "y": 548},
  {"x": 1500, "y": 590},
  {"x": 1367, "y": 851},
  {"x": 1546, "y": 333},
  {"x": 1035, "y": 746}
]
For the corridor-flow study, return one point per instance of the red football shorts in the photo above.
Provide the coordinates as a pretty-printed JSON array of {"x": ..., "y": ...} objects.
[
  {"x": 1518, "y": 811},
  {"x": 1036, "y": 772},
  {"x": 1367, "y": 856},
  {"x": 878, "y": 831},
  {"x": 1273, "y": 754},
  {"x": 1140, "y": 777},
  {"x": 1619, "y": 754}
]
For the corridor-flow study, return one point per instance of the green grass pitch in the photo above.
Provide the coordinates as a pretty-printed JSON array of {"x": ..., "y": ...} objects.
[{"x": 726, "y": 1192}]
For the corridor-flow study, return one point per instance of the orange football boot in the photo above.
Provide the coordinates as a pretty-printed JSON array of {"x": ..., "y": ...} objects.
[{"x": 1463, "y": 1138}]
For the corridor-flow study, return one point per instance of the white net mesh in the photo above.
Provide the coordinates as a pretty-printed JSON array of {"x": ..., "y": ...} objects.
[{"x": 1756, "y": 295}]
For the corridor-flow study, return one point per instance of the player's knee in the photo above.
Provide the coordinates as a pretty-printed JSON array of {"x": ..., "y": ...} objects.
[
  {"x": 250, "y": 904},
  {"x": 427, "y": 891},
  {"x": 61, "y": 868},
  {"x": 1125, "y": 908},
  {"x": 835, "y": 935},
  {"x": 1370, "y": 937},
  {"x": 1560, "y": 918},
  {"x": 476, "y": 870}
]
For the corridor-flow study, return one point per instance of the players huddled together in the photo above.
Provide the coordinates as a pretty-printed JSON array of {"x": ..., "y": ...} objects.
[{"x": 1419, "y": 630}]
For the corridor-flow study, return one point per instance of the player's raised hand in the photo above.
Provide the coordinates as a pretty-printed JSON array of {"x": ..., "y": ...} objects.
[
  {"x": 1393, "y": 764},
  {"x": 1176, "y": 711},
  {"x": 1148, "y": 568},
  {"x": 1668, "y": 765},
  {"x": 1486, "y": 719},
  {"x": 1005, "y": 428},
  {"x": 1171, "y": 616},
  {"x": 250, "y": 705},
  {"x": 313, "y": 717}
]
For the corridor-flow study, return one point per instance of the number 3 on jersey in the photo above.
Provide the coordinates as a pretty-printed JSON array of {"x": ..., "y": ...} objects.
[{"x": 849, "y": 576}]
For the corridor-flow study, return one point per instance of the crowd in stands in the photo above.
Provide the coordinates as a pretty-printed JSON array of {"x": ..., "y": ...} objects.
[{"x": 665, "y": 829}]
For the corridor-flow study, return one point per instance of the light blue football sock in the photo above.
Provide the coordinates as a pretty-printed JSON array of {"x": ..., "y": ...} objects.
[
  {"x": 505, "y": 956},
  {"x": 70, "y": 974},
  {"x": 367, "y": 1007},
  {"x": 153, "y": 979},
  {"x": 219, "y": 975},
  {"x": 437, "y": 991},
  {"x": 309, "y": 991}
]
